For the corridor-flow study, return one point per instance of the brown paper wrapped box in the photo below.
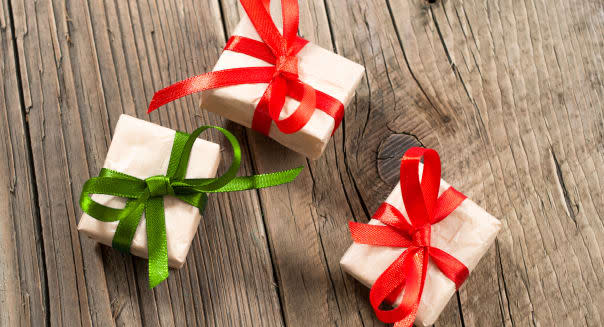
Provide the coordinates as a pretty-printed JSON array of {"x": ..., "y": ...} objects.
[
  {"x": 466, "y": 234},
  {"x": 324, "y": 70},
  {"x": 142, "y": 149}
]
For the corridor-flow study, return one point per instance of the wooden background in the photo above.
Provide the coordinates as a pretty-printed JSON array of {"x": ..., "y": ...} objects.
[{"x": 510, "y": 92}]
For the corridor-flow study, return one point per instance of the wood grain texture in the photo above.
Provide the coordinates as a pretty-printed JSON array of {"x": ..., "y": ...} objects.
[
  {"x": 23, "y": 297},
  {"x": 84, "y": 64},
  {"x": 510, "y": 92},
  {"x": 306, "y": 220},
  {"x": 524, "y": 140}
]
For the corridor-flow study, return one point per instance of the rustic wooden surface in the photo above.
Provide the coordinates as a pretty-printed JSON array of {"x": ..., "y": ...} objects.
[{"x": 510, "y": 92}]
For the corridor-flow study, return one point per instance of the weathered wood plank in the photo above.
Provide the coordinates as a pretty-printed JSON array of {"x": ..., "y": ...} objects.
[
  {"x": 84, "y": 64},
  {"x": 22, "y": 280},
  {"x": 48, "y": 77}
]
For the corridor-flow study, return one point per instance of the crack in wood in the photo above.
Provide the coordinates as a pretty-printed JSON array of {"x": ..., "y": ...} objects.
[
  {"x": 568, "y": 203},
  {"x": 505, "y": 287},
  {"x": 463, "y": 323}
]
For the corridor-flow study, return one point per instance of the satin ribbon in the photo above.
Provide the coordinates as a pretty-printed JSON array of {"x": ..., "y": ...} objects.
[
  {"x": 282, "y": 78},
  {"x": 147, "y": 196},
  {"x": 424, "y": 208}
]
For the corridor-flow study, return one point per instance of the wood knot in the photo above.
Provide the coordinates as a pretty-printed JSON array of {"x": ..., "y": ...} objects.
[{"x": 390, "y": 152}]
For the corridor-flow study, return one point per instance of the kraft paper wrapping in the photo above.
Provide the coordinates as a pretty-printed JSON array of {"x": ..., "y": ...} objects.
[
  {"x": 142, "y": 149},
  {"x": 467, "y": 233},
  {"x": 324, "y": 70}
]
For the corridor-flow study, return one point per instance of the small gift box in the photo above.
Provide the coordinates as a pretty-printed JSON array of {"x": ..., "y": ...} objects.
[
  {"x": 148, "y": 198},
  {"x": 420, "y": 259},
  {"x": 279, "y": 85},
  {"x": 324, "y": 70},
  {"x": 142, "y": 149}
]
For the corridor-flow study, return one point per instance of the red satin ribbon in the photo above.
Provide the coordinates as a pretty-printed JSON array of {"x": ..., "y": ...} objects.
[
  {"x": 424, "y": 208},
  {"x": 282, "y": 78}
]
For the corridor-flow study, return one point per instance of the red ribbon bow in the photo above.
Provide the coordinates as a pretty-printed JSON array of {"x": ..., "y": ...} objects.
[
  {"x": 424, "y": 208},
  {"x": 282, "y": 78}
]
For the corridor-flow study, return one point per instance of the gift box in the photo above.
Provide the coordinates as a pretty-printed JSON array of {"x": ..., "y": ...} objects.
[
  {"x": 148, "y": 198},
  {"x": 324, "y": 70},
  {"x": 466, "y": 234},
  {"x": 270, "y": 80},
  {"x": 142, "y": 149}
]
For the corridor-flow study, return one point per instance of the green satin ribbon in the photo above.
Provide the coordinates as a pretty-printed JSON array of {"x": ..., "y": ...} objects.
[{"x": 147, "y": 195}]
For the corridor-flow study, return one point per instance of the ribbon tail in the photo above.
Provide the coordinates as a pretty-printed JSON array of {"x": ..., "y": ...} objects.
[
  {"x": 407, "y": 273},
  {"x": 259, "y": 181},
  {"x": 129, "y": 220},
  {"x": 211, "y": 80},
  {"x": 416, "y": 274},
  {"x": 261, "y": 122},
  {"x": 450, "y": 267},
  {"x": 157, "y": 243}
]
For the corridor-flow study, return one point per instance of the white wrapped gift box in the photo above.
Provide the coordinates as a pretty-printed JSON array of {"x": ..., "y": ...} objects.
[
  {"x": 142, "y": 149},
  {"x": 466, "y": 234},
  {"x": 324, "y": 70}
]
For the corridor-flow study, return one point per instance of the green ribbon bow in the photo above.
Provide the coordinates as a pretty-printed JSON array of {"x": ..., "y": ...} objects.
[{"x": 147, "y": 195}]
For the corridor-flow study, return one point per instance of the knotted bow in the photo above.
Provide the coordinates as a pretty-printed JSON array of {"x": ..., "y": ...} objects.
[
  {"x": 282, "y": 78},
  {"x": 424, "y": 208},
  {"x": 147, "y": 195}
]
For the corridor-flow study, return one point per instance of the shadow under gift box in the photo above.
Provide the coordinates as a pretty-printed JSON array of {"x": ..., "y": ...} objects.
[
  {"x": 323, "y": 70},
  {"x": 142, "y": 149},
  {"x": 466, "y": 234}
]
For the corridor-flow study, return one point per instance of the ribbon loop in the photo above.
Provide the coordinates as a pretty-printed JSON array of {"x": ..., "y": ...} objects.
[
  {"x": 424, "y": 207},
  {"x": 159, "y": 186},
  {"x": 147, "y": 196}
]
